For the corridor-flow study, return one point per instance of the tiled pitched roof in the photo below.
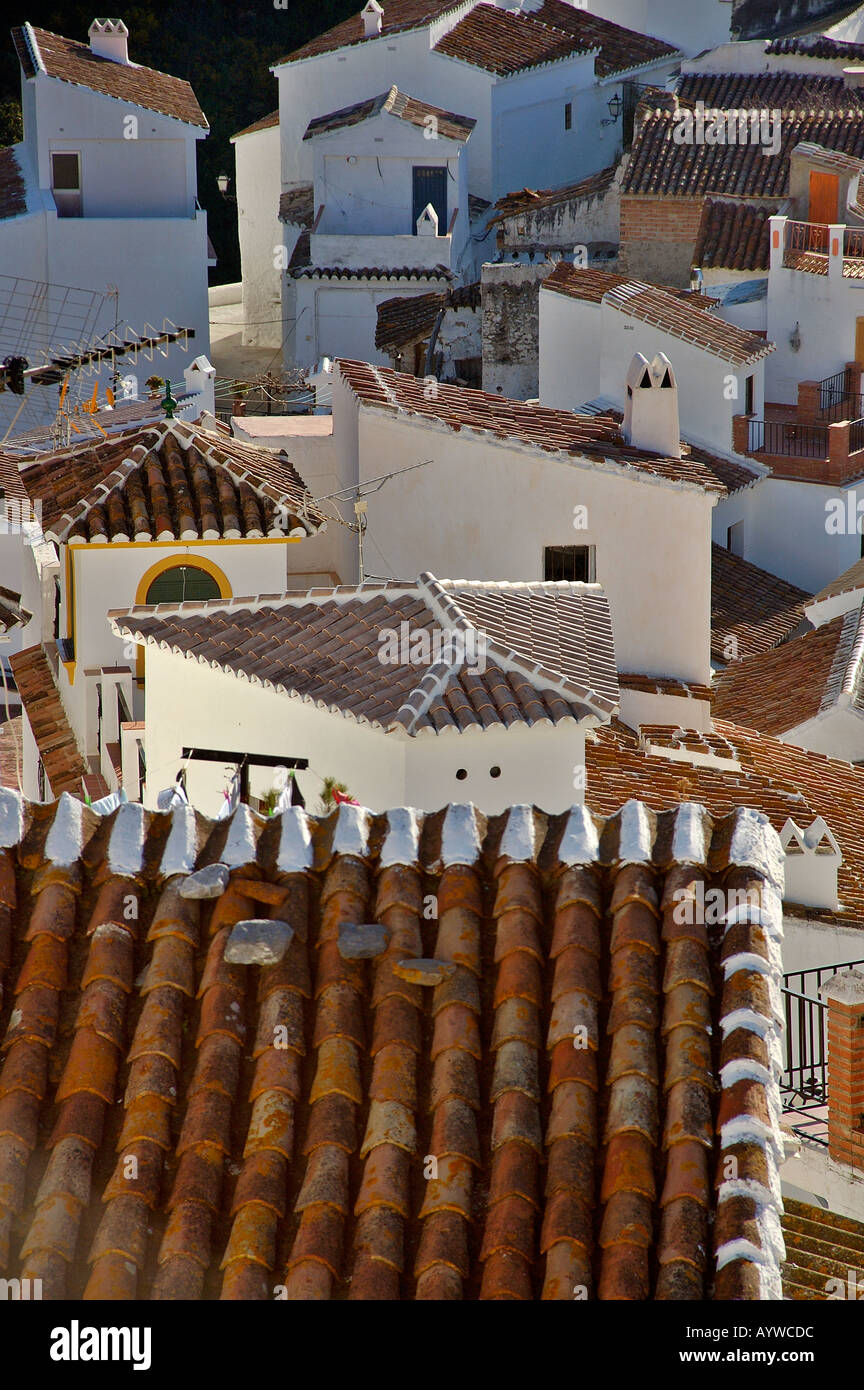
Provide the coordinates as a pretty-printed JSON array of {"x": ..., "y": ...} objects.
[
  {"x": 834, "y": 159},
  {"x": 820, "y": 1246},
  {"x": 64, "y": 765},
  {"x": 168, "y": 481},
  {"x": 733, "y": 236},
  {"x": 12, "y": 614},
  {"x": 816, "y": 109},
  {"x": 11, "y": 764},
  {"x": 815, "y": 46},
  {"x": 373, "y": 272},
  {"x": 276, "y": 1118},
  {"x": 298, "y": 205},
  {"x": 589, "y": 436},
  {"x": 13, "y": 191},
  {"x": 782, "y": 688},
  {"x": 531, "y": 200},
  {"x": 398, "y": 104},
  {"x": 685, "y": 320},
  {"x": 620, "y": 48},
  {"x": 265, "y": 123},
  {"x": 531, "y": 653},
  {"x": 756, "y": 608},
  {"x": 407, "y": 318},
  {"x": 591, "y": 283},
  {"x": 845, "y": 583},
  {"x": 505, "y": 42},
  {"x": 398, "y": 16},
  {"x": 138, "y": 86},
  {"x": 777, "y": 778}
]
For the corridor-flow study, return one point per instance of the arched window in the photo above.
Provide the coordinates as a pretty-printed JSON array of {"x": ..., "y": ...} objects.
[{"x": 180, "y": 583}]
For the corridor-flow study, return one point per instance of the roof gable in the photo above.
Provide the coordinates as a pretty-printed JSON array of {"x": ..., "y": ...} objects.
[
  {"x": 592, "y": 437},
  {"x": 398, "y": 17},
  {"x": 168, "y": 481},
  {"x": 403, "y": 107},
  {"x": 418, "y": 658},
  {"x": 69, "y": 61}
]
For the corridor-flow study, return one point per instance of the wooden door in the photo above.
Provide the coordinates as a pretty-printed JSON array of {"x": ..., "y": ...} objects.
[
  {"x": 859, "y": 340},
  {"x": 824, "y": 201}
]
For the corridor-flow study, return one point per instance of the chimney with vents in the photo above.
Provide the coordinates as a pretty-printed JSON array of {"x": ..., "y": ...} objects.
[
  {"x": 651, "y": 406},
  {"x": 373, "y": 18},
  {"x": 813, "y": 857},
  {"x": 109, "y": 38}
]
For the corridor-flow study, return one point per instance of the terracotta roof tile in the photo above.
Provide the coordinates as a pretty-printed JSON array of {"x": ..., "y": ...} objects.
[
  {"x": 399, "y": 15},
  {"x": 264, "y": 123},
  {"x": 588, "y": 436},
  {"x": 513, "y": 634},
  {"x": 168, "y": 480},
  {"x": 74, "y": 62},
  {"x": 779, "y": 689},
  {"x": 298, "y": 205},
  {"x": 407, "y": 318},
  {"x": 64, "y": 765},
  {"x": 373, "y": 272},
  {"x": 813, "y": 108},
  {"x": 685, "y": 320},
  {"x": 398, "y": 104},
  {"x": 747, "y": 603},
  {"x": 505, "y": 42},
  {"x": 527, "y": 200},
  {"x": 733, "y": 235}
]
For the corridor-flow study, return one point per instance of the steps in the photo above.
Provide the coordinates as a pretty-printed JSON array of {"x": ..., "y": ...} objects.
[{"x": 819, "y": 1246}]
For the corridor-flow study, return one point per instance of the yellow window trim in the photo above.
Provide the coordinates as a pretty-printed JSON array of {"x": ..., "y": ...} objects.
[{"x": 172, "y": 562}]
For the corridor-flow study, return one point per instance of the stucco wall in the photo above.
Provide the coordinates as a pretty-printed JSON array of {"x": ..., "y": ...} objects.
[
  {"x": 256, "y": 158},
  {"x": 484, "y": 509},
  {"x": 510, "y": 328}
]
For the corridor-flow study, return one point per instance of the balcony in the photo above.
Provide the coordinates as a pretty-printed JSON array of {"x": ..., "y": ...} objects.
[
  {"x": 820, "y": 439},
  {"x": 816, "y": 248},
  {"x": 422, "y": 250}
]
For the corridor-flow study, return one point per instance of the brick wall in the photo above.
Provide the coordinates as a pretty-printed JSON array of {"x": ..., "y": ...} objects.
[
  {"x": 658, "y": 237},
  {"x": 845, "y": 998}
]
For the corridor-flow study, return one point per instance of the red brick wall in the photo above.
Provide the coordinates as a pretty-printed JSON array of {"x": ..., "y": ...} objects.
[{"x": 658, "y": 237}]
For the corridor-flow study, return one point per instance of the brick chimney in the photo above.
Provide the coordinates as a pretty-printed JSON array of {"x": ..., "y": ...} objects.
[
  {"x": 844, "y": 994},
  {"x": 373, "y": 18},
  {"x": 109, "y": 38},
  {"x": 651, "y": 406}
]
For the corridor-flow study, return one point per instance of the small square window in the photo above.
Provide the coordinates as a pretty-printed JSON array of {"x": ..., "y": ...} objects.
[
  {"x": 65, "y": 173},
  {"x": 568, "y": 115},
  {"x": 571, "y": 562}
]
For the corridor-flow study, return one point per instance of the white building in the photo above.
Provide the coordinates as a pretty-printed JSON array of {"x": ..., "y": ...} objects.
[
  {"x": 101, "y": 194},
  {"x": 390, "y": 189},
  {"x": 591, "y": 321},
  {"x": 433, "y": 689},
  {"x": 544, "y": 83},
  {"x": 169, "y": 511}
]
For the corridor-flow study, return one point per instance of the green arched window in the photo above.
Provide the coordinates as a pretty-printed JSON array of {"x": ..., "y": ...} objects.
[{"x": 180, "y": 583}]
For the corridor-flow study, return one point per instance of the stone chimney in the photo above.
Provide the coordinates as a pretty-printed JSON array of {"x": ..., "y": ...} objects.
[
  {"x": 844, "y": 995},
  {"x": 109, "y": 38},
  {"x": 813, "y": 857},
  {"x": 651, "y": 406},
  {"x": 373, "y": 18}
]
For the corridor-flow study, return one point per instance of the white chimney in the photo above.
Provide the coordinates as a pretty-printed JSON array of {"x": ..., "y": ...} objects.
[
  {"x": 427, "y": 222},
  {"x": 813, "y": 857},
  {"x": 109, "y": 38},
  {"x": 200, "y": 377},
  {"x": 373, "y": 17},
  {"x": 853, "y": 78},
  {"x": 651, "y": 406}
]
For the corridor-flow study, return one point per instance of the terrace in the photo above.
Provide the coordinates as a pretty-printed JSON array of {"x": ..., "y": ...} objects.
[{"x": 819, "y": 439}]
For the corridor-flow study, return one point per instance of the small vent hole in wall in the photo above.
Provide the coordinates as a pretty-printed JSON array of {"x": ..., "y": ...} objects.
[
  {"x": 495, "y": 771},
  {"x": 461, "y": 774}
]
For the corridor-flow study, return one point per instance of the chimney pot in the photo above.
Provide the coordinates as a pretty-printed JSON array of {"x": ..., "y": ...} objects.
[
  {"x": 373, "y": 18},
  {"x": 651, "y": 406},
  {"x": 109, "y": 38}
]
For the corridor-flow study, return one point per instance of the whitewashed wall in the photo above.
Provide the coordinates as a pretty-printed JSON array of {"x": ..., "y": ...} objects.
[
  {"x": 787, "y": 534},
  {"x": 256, "y": 160},
  {"x": 485, "y": 509},
  {"x": 825, "y": 310}
]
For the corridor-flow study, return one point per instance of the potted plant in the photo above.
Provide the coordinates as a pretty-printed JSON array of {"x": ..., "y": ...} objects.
[
  {"x": 155, "y": 386},
  {"x": 332, "y": 793}
]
